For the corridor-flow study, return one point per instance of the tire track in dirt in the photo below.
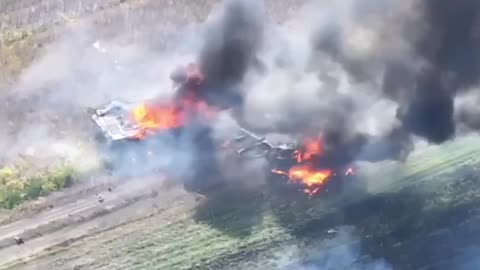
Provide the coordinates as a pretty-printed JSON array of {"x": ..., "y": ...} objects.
[
  {"x": 72, "y": 208},
  {"x": 163, "y": 204},
  {"x": 125, "y": 224},
  {"x": 44, "y": 224}
]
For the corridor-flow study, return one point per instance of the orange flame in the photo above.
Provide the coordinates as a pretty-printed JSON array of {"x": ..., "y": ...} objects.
[
  {"x": 305, "y": 172},
  {"x": 158, "y": 117},
  {"x": 311, "y": 148},
  {"x": 312, "y": 178},
  {"x": 153, "y": 116},
  {"x": 308, "y": 175}
]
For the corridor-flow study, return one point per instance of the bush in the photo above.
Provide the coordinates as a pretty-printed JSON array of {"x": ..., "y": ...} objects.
[
  {"x": 15, "y": 188},
  {"x": 34, "y": 189},
  {"x": 11, "y": 200}
]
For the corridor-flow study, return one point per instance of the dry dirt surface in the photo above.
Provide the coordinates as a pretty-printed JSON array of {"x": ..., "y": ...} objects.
[{"x": 69, "y": 219}]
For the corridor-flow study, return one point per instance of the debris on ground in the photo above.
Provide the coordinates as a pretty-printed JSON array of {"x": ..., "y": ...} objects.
[
  {"x": 331, "y": 231},
  {"x": 100, "y": 198},
  {"x": 19, "y": 240}
]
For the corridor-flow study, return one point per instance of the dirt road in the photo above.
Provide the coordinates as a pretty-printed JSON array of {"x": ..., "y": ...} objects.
[{"x": 84, "y": 215}]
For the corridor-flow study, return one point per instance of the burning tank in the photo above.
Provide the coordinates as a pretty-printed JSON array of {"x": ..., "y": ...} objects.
[
  {"x": 131, "y": 134},
  {"x": 137, "y": 133},
  {"x": 296, "y": 165}
]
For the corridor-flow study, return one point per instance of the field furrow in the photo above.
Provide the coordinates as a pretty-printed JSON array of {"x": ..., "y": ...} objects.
[{"x": 181, "y": 241}]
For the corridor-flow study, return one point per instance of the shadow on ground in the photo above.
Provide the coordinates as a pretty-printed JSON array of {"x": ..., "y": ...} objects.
[
  {"x": 416, "y": 227},
  {"x": 234, "y": 210},
  {"x": 411, "y": 228}
]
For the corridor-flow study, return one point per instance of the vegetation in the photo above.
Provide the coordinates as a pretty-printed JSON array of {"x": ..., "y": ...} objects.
[
  {"x": 237, "y": 232},
  {"x": 16, "y": 187},
  {"x": 243, "y": 231}
]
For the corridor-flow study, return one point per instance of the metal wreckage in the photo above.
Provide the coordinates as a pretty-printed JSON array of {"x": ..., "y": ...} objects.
[{"x": 130, "y": 133}]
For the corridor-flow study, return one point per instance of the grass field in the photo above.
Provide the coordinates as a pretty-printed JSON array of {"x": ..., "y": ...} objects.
[{"x": 248, "y": 230}]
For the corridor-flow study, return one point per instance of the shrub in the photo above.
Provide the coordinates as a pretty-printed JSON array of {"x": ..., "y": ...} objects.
[
  {"x": 12, "y": 199},
  {"x": 16, "y": 188},
  {"x": 34, "y": 189}
]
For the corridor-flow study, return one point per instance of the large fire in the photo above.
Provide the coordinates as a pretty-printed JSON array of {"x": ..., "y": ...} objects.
[
  {"x": 152, "y": 117},
  {"x": 155, "y": 117},
  {"x": 305, "y": 171},
  {"x": 311, "y": 148},
  {"x": 158, "y": 117}
]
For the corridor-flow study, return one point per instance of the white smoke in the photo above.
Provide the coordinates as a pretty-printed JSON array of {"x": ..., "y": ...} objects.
[
  {"x": 302, "y": 86},
  {"x": 80, "y": 70},
  {"x": 299, "y": 90},
  {"x": 342, "y": 251}
]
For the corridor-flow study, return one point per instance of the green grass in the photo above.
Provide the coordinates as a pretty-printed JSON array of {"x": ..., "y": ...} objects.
[
  {"x": 16, "y": 188},
  {"x": 222, "y": 239},
  {"x": 432, "y": 162}
]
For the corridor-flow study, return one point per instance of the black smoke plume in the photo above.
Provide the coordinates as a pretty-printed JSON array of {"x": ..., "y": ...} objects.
[
  {"x": 426, "y": 55},
  {"x": 230, "y": 48},
  {"x": 449, "y": 47}
]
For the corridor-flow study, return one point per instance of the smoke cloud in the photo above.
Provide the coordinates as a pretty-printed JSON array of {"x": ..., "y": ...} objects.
[
  {"x": 435, "y": 60},
  {"x": 230, "y": 46},
  {"x": 80, "y": 70},
  {"x": 307, "y": 89},
  {"x": 370, "y": 76},
  {"x": 342, "y": 251}
]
